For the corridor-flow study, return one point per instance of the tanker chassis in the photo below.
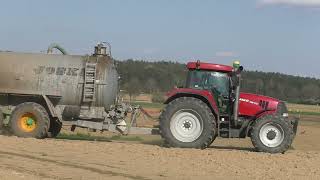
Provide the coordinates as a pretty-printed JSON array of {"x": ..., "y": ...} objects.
[{"x": 39, "y": 92}]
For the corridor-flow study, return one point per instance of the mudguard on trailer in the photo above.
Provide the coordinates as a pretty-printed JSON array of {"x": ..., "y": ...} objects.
[{"x": 50, "y": 106}]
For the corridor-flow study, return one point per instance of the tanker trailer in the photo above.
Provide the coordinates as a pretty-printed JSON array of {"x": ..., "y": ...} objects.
[{"x": 38, "y": 92}]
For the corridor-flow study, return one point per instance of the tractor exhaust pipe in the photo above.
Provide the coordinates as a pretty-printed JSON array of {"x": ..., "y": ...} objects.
[
  {"x": 237, "y": 74},
  {"x": 236, "y": 102}
]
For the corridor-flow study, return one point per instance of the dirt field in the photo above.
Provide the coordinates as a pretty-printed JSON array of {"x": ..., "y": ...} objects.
[{"x": 226, "y": 159}]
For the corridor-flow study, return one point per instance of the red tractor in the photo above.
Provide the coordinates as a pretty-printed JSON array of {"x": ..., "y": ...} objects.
[{"x": 211, "y": 105}]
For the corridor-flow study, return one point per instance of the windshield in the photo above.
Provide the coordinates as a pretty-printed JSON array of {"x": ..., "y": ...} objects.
[{"x": 209, "y": 80}]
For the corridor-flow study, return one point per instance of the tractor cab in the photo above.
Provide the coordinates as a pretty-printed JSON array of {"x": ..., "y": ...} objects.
[{"x": 220, "y": 80}]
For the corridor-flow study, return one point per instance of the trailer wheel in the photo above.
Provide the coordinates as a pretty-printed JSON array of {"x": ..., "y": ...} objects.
[
  {"x": 55, "y": 128},
  {"x": 30, "y": 120},
  {"x": 187, "y": 122},
  {"x": 272, "y": 134}
]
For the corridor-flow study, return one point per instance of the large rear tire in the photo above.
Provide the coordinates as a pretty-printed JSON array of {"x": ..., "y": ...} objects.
[
  {"x": 30, "y": 120},
  {"x": 272, "y": 134},
  {"x": 187, "y": 122}
]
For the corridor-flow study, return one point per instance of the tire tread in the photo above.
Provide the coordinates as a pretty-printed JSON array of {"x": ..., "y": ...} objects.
[
  {"x": 43, "y": 131},
  {"x": 164, "y": 117},
  {"x": 262, "y": 148}
]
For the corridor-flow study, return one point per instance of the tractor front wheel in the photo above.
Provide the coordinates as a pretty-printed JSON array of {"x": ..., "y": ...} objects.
[
  {"x": 30, "y": 120},
  {"x": 187, "y": 122},
  {"x": 272, "y": 134}
]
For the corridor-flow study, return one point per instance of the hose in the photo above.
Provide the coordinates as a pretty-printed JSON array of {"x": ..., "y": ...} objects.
[{"x": 56, "y": 46}]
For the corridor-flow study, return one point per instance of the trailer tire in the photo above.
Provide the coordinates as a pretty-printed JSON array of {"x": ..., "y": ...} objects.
[
  {"x": 272, "y": 134},
  {"x": 30, "y": 119},
  {"x": 181, "y": 121},
  {"x": 55, "y": 128}
]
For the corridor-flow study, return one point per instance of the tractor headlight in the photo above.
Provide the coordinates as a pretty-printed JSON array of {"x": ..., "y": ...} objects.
[
  {"x": 282, "y": 110},
  {"x": 285, "y": 115}
]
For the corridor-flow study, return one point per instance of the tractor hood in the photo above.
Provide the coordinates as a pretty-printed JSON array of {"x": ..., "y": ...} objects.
[
  {"x": 249, "y": 104},
  {"x": 254, "y": 104}
]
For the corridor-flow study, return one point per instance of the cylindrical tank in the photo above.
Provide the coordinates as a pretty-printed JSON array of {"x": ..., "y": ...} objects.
[{"x": 61, "y": 76}]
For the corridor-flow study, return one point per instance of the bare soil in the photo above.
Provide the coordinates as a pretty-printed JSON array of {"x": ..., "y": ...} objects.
[{"x": 24, "y": 158}]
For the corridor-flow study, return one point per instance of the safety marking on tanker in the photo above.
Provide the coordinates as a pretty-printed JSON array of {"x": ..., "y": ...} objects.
[
  {"x": 58, "y": 71},
  {"x": 248, "y": 101}
]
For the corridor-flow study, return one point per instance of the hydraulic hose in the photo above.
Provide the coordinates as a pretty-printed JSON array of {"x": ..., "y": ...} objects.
[{"x": 56, "y": 46}]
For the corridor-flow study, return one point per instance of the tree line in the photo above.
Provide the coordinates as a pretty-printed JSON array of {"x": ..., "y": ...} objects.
[{"x": 161, "y": 76}]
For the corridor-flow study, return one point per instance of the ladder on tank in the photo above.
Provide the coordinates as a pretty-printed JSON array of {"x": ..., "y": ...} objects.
[{"x": 89, "y": 83}]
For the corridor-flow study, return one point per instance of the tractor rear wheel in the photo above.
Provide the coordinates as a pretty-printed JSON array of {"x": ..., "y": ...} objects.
[
  {"x": 187, "y": 122},
  {"x": 272, "y": 134},
  {"x": 30, "y": 120}
]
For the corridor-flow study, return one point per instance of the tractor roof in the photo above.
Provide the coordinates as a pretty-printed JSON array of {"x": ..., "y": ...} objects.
[{"x": 209, "y": 66}]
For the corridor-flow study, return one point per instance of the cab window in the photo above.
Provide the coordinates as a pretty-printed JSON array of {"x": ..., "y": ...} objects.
[{"x": 210, "y": 80}]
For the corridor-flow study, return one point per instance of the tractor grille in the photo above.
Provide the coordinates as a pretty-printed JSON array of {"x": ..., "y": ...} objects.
[{"x": 264, "y": 104}]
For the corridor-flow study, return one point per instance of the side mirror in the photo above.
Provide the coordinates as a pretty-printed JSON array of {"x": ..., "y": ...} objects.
[{"x": 238, "y": 70}]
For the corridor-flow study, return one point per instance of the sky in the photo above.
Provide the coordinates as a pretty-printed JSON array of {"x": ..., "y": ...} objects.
[{"x": 265, "y": 35}]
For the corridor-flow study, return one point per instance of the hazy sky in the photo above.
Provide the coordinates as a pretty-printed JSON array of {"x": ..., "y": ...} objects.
[{"x": 268, "y": 35}]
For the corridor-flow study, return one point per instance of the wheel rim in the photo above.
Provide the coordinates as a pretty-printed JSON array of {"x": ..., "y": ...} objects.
[
  {"x": 271, "y": 135},
  {"x": 28, "y": 122},
  {"x": 186, "y": 125}
]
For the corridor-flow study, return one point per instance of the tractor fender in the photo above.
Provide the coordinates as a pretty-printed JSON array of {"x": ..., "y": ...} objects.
[
  {"x": 208, "y": 99},
  {"x": 265, "y": 112},
  {"x": 257, "y": 116}
]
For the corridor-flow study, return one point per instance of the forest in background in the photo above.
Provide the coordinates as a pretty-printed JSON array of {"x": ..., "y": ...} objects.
[{"x": 159, "y": 77}]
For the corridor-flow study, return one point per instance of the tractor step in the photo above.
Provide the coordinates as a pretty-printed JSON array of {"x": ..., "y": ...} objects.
[
  {"x": 224, "y": 122},
  {"x": 229, "y": 133}
]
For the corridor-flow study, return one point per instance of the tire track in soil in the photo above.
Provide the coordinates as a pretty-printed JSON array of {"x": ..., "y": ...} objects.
[
  {"x": 45, "y": 154},
  {"x": 95, "y": 170},
  {"x": 23, "y": 170}
]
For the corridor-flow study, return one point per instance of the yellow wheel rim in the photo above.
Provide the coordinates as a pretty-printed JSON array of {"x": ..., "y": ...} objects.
[{"x": 28, "y": 122}]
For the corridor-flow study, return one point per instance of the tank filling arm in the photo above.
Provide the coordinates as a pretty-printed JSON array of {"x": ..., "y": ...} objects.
[{"x": 56, "y": 46}]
